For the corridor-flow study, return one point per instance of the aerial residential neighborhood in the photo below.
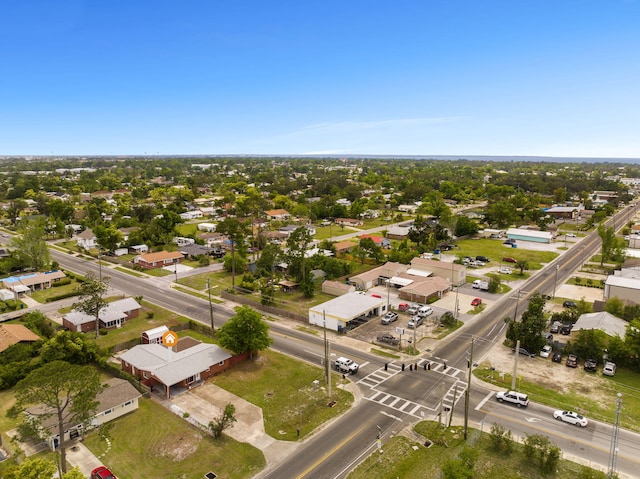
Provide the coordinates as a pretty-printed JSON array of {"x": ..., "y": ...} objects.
[{"x": 177, "y": 316}]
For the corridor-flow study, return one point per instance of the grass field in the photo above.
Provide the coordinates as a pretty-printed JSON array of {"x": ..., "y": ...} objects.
[
  {"x": 153, "y": 442},
  {"x": 405, "y": 458},
  {"x": 495, "y": 251}
]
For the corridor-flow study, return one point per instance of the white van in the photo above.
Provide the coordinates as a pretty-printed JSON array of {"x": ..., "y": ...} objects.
[
  {"x": 609, "y": 369},
  {"x": 425, "y": 311}
]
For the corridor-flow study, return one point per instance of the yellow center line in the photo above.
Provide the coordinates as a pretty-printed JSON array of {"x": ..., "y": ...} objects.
[{"x": 329, "y": 453}]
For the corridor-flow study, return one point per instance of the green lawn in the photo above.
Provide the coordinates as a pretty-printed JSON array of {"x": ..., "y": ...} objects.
[
  {"x": 495, "y": 251},
  {"x": 283, "y": 388},
  {"x": 404, "y": 458},
  {"x": 153, "y": 442}
]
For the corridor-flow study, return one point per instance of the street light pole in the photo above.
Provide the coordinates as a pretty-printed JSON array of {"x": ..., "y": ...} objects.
[
  {"x": 613, "y": 452},
  {"x": 515, "y": 313},
  {"x": 213, "y": 328},
  {"x": 467, "y": 392},
  {"x": 555, "y": 282}
]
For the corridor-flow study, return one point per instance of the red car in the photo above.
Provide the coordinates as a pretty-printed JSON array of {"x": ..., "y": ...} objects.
[
  {"x": 476, "y": 302},
  {"x": 509, "y": 260},
  {"x": 102, "y": 473}
]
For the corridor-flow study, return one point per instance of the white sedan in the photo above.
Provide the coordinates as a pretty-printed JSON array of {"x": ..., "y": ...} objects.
[
  {"x": 505, "y": 270},
  {"x": 571, "y": 417}
]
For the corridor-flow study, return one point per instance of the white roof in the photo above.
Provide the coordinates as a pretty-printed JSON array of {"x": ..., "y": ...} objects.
[
  {"x": 172, "y": 367},
  {"x": 155, "y": 332},
  {"x": 621, "y": 281},
  {"x": 126, "y": 304},
  {"x": 400, "y": 281},
  {"x": 610, "y": 324},
  {"x": 349, "y": 305},
  {"x": 531, "y": 233},
  {"x": 419, "y": 272},
  {"x": 5, "y": 294}
]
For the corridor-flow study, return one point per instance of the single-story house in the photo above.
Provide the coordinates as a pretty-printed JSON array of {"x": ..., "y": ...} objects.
[
  {"x": 182, "y": 241},
  {"x": 158, "y": 366},
  {"x": 195, "y": 250},
  {"x": 337, "y": 313},
  {"x": 377, "y": 276},
  {"x": 353, "y": 222},
  {"x": 564, "y": 212},
  {"x": 287, "y": 286},
  {"x": 113, "y": 316},
  {"x": 343, "y": 247},
  {"x": 610, "y": 324},
  {"x": 411, "y": 209},
  {"x": 191, "y": 215},
  {"x": 378, "y": 240},
  {"x": 521, "y": 234},
  {"x": 398, "y": 232},
  {"x": 278, "y": 215},
  {"x": 158, "y": 259},
  {"x": 139, "y": 248},
  {"x": 11, "y": 334},
  {"x": 117, "y": 398},
  {"x": 32, "y": 281},
  {"x": 6, "y": 294},
  {"x": 208, "y": 227}
]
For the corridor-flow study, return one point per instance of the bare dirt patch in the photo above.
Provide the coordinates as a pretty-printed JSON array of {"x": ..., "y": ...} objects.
[{"x": 179, "y": 447}]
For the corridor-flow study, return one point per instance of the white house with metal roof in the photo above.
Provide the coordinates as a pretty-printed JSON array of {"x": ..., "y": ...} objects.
[{"x": 607, "y": 322}]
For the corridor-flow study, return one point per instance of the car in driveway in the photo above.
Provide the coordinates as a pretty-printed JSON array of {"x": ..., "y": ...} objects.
[
  {"x": 388, "y": 339},
  {"x": 590, "y": 365},
  {"x": 572, "y": 361},
  {"x": 513, "y": 397},
  {"x": 102, "y": 472},
  {"x": 546, "y": 351},
  {"x": 557, "y": 357},
  {"x": 389, "y": 318},
  {"x": 476, "y": 302},
  {"x": 415, "y": 322},
  {"x": 571, "y": 417}
]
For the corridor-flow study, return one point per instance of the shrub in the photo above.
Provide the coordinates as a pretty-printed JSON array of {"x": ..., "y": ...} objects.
[
  {"x": 103, "y": 331},
  {"x": 62, "y": 282},
  {"x": 150, "y": 314},
  {"x": 578, "y": 279}
]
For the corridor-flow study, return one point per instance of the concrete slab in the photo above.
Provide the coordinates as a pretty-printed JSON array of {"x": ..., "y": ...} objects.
[{"x": 79, "y": 455}]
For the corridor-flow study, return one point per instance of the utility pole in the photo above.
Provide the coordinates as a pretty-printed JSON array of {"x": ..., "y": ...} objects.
[
  {"x": 515, "y": 366},
  {"x": 441, "y": 404},
  {"x": 555, "y": 282},
  {"x": 468, "y": 391},
  {"x": 613, "y": 452},
  {"x": 326, "y": 349},
  {"x": 213, "y": 328},
  {"x": 515, "y": 313}
]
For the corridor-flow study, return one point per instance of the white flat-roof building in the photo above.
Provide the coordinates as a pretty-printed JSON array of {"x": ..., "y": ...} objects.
[
  {"x": 530, "y": 235},
  {"x": 626, "y": 289},
  {"x": 336, "y": 313}
]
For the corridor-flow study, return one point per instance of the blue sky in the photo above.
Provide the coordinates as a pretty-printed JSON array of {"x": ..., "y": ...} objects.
[{"x": 405, "y": 77}]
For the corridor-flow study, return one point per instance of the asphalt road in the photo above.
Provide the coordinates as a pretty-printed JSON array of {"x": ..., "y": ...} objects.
[{"x": 394, "y": 398}]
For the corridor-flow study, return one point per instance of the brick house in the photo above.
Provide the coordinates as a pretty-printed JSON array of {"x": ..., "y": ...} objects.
[{"x": 158, "y": 259}]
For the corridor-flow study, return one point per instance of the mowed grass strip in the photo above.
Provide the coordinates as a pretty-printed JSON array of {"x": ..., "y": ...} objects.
[
  {"x": 153, "y": 442},
  {"x": 283, "y": 388}
]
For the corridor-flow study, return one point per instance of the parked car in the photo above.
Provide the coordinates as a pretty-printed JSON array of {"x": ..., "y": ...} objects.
[
  {"x": 415, "y": 322},
  {"x": 519, "y": 399},
  {"x": 509, "y": 241},
  {"x": 570, "y": 304},
  {"x": 389, "y": 339},
  {"x": 508, "y": 259},
  {"x": 571, "y": 417},
  {"x": 555, "y": 327},
  {"x": 102, "y": 473},
  {"x": 546, "y": 351},
  {"x": 557, "y": 357},
  {"x": 523, "y": 351},
  {"x": 425, "y": 311},
  {"x": 402, "y": 307},
  {"x": 505, "y": 271},
  {"x": 413, "y": 310},
  {"x": 482, "y": 258},
  {"x": 389, "y": 318},
  {"x": 609, "y": 368},
  {"x": 566, "y": 328},
  {"x": 476, "y": 302},
  {"x": 548, "y": 337},
  {"x": 590, "y": 365},
  {"x": 570, "y": 235},
  {"x": 572, "y": 361}
]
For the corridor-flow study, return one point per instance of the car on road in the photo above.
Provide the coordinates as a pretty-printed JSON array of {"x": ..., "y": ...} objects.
[
  {"x": 345, "y": 365},
  {"x": 557, "y": 357},
  {"x": 590, "y": 365},
  {"x": 519, "y": 399},
  {"x": 389, "y": 318},
  {"x": 546, "y": 351},
  {"x": 570, "y": 235},
  {"x": 571, "y": 417},
  {"x": 476, "y": 302},
  {"x": 388, "y": 339},
  {"x": 102, "y": 473},
  {"x": 505, "y": 271},
  {"x": 508, "y": 259},
  {"x": 570, "y": 304},
  {"x": 572, "y": 361},
  {"x": 415, "y": 322}
]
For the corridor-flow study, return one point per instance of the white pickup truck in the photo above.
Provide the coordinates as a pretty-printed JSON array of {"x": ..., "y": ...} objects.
[{"x": 345, "y": 365}]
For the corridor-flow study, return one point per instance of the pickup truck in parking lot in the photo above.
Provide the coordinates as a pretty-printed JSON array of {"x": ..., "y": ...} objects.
[{"x": 388, "y": 339}]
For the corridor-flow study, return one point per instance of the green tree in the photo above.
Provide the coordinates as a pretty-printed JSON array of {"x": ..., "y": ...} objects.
[
  {"x": 531, "y": 325},
  {"x": 522, "y": 264},
  {"x": 109, "y": 238},
  {"x": 66, "y": 392},
  {"x": 608, "y": 238},
  {"x": 69, "y": 346},
  {"x": 590, "y": 343},
  {"x": 30, "y": 248},
  {"x": 224, "y": 420},
  {"x": 298, "y": 243},
  {"x": 91, "y": 294},
  {"x": 540, "y": 450},
  {"x": 236, "y": 232},
  {"x": 245, "y": 332},
  {"x": 35, "y": 468},
  {"x": 494, "y": 284}
]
